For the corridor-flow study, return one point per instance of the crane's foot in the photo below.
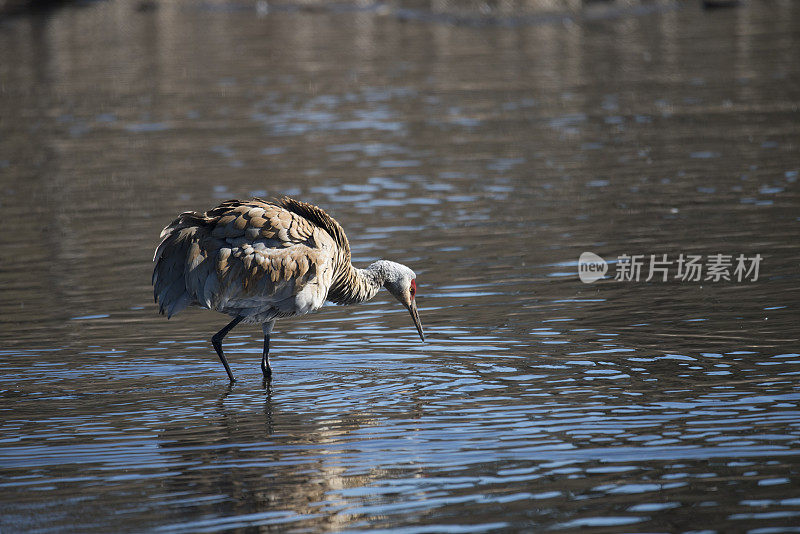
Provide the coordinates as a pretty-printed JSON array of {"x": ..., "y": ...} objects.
[
  {"x": 266, "y": 383},
  {"x": 218, "y": 347},
  {"x": 265, "y": 367}
]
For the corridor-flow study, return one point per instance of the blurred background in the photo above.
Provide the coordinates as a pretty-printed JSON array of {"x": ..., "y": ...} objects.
[{"x": 484, "y": 144}]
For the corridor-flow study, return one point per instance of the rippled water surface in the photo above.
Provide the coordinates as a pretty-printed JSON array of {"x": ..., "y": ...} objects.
[{"x": 486, "y": 146}]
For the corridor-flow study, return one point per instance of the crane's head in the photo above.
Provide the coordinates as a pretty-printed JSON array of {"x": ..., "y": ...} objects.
[{"x": 401, "y": 282}]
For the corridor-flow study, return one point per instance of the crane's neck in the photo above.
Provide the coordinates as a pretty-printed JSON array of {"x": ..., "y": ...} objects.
[{"x": 352, "y": 285}]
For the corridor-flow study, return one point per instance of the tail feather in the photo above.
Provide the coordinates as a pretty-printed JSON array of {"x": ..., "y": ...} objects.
[
  {"x": 170, "y": 288},
  {"x": 180, "y": 304},
  {"x": 170, "y": 294},
  {"x": 210, "y": 289}
]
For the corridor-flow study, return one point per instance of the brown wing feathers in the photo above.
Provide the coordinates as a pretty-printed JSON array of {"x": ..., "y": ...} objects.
[
  {"x": 238, "y": 249},
  {"x": 321, "y": 219}
]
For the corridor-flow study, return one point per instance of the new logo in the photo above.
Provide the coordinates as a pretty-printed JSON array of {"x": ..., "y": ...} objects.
[{"x": 591, "y": 267}]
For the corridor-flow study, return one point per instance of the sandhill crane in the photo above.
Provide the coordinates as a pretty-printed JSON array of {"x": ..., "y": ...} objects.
[{"x": 259, "y": 261}]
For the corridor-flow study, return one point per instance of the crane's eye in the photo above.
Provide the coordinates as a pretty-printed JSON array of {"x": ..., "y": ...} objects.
[{"x": 413, "y": 287}]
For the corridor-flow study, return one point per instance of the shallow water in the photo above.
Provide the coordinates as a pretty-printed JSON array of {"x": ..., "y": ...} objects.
[{"x": 487, "y": 150}]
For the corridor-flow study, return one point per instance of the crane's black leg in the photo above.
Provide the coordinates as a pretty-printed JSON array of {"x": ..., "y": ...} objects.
[
  {"x": 216, "y": 341},
  {"x": 265, "y": 367}
]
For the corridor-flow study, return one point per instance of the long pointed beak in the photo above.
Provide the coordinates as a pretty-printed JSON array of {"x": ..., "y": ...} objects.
[{"x": 415, "y": 316}]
